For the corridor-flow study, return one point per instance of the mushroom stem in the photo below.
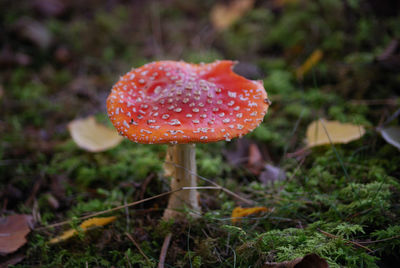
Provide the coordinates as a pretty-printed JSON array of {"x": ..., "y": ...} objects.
[{"x": 181, "y": 165}]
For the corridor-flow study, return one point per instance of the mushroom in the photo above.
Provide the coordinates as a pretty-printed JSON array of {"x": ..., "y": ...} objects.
[{"x": 182, "y": 104}]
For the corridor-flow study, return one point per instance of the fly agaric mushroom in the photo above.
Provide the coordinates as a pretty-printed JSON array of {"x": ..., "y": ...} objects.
[{"x": 182, "y": 104}]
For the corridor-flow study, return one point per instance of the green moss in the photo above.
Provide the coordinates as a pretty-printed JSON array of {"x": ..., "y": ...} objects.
[{"x": 279, "y": 82}]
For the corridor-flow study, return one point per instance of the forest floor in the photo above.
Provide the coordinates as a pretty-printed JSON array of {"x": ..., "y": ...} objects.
[{"x": 59, "y": 60}]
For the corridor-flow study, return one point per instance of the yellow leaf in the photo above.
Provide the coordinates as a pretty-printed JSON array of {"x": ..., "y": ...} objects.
[
  {"x": 92, "y": 136},
  {"x": 310, "y": 62},
  {"x": 322, "y": 132},
  {"x": 65, "y": 236},
  {"x": 223, "y": 16},
  {"x": 240, "y": 212},
  {"x": 97, "y": 222},
  {"x": 93, "y": 222}
]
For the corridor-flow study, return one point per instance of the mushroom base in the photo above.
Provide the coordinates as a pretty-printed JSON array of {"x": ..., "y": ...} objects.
[{"x": 181, "y": 165}]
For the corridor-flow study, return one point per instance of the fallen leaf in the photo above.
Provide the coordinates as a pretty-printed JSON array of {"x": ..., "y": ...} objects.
[
  {"x": 271, "y": 174},
  {"x": 323, "y": 132},
  {"x": 309, "y": 261},
  {"x": 92, "y": 136},
  {"x": 13, "y": 232},
  {"x": 239, "y": 212},
  {"x": 93, "y": 222},
  {"x": 391, "y": 135},
  {"x": 223, "y": 16},
  {"x": 310, "y": 62},
  {"x": 256, "y": 161}
]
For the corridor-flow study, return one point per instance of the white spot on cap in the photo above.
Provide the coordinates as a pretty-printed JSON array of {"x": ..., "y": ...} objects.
[
  {"x": 126, "y": 124},
  {"x": 232, "y": 94},
  {"x": 174, "y": 122}
]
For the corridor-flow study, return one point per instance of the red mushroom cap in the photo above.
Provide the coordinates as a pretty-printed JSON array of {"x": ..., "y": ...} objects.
[{"x": 178, "y": 102}]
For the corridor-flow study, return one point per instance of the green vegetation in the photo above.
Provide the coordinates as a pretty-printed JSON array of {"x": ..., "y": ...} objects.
[{"x": 335, "y": 200}]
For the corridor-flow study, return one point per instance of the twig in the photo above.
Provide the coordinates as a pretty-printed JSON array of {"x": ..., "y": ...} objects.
[
  {"x": 250, "y": 202},
  {"x": 391, "y": 102},
  {"x": 301, "y": 162},
  {"x": 346, "y": 241},
  {"x": 128, "y": 220},
  {"x": 392, "y": 117},
  {"x": 138, "y": 247},
  {"x": 164, "y": 250},
  {"x": 380, "y": 240},
  {"x": 303, "y": 151},
  {"x": 35, "y": 190},
  {"x": 127, "y": 205},
  {"x": 145, "y": 184}
]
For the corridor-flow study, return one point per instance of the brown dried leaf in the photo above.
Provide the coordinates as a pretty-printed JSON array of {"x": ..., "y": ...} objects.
[
  {"x": 92, "y": 136},
  {"x": 322, "y": 132},
  {"x": 256, "y": 161},
  {"x": 13, "y": 230},
  {"x": 309, "y": 261},
  {"x": 223, "y": 16}
]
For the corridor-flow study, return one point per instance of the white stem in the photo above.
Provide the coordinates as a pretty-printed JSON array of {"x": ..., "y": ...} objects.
[{"x": 182, "y": 169}]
